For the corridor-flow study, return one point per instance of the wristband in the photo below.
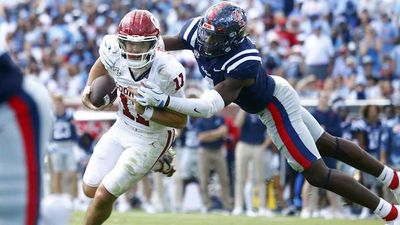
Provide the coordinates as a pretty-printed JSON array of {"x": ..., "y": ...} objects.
[{"x": 148, "y": 112}]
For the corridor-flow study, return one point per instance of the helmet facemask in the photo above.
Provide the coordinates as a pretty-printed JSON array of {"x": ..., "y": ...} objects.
[
  {"x": 138, "y": 51},
  {"x": 211, "y": 43},
  {"x": 216, "y": 42}
]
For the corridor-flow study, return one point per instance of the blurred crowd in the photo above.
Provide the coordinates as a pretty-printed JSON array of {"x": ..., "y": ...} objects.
[
  {"x": 350, "y": 47},
  {"x": 329, "y": 50}
]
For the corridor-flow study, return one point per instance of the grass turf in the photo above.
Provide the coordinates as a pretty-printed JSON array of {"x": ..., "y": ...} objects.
[{"x": 141, "y": 218}]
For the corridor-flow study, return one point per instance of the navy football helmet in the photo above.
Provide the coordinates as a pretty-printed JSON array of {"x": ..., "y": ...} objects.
[{"x": 221, "y": 29}]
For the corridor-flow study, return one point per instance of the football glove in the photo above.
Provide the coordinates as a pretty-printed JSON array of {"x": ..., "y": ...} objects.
[{"x": 149, "y": 94}]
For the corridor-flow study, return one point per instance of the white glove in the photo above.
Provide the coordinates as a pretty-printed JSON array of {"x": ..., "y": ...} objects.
[
  {"x": 109, "y": 51},
  {"x": 85, "y": 98},
  {"x": 149, "y": 94}
]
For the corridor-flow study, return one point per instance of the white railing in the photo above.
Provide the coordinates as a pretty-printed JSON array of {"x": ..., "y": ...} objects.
[{"x": 82, "y": 114}]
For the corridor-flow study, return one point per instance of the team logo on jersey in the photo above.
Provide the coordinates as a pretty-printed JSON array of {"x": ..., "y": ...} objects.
[{"x": 117, "y": 71}]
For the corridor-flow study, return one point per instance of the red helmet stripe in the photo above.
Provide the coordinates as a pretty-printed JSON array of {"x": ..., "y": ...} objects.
[{"x": 216, "y": 10}]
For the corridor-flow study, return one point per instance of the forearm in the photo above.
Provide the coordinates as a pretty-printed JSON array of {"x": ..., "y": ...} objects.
[
  {"x": 267, "y": 142},
  {"x": 209, "y": 136},
  {"x": 239, "y": 119},
  {"x": 172, "y": 43},
  {"x": 205, "y": 106},
  {"x": 169, "y": 118},
  {"x": 213, "y": 135},
  {"x": 97, "y": 70}
]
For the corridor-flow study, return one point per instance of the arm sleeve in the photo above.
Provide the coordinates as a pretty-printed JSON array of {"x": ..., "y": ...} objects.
[{"x": 206, "y": 106}]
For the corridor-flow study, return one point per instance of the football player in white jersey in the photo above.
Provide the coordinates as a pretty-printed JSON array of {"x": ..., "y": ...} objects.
[{"x": 140, "y": 136}]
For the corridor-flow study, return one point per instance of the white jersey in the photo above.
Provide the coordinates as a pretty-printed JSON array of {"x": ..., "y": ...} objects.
[{"x": 165, "y": 71}]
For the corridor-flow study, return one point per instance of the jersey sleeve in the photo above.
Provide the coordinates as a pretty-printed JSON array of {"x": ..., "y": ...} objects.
[
  {"x": 173, "y": 77},
  {"x": 188, "y": 32},
  {"x": 245, "y": 64},
  {"x": 109, "y": 58}
]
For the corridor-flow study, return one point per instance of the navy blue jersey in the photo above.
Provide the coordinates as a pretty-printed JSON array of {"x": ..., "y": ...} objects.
[
  {"x": 373, "y": 133},
  {"x": 242, "y": 62},
  {"x": 391, "y": 142},
  {"x": 346, "y": 128},
  {"x": 190, "y": 136},
  {"x": 207, "y": 124},
  {"x": 10, "y": 78},
  {"x": 63, "y": 128},
  {"x": 252, "y": 130},
  {"x": 330, "y": 120}
]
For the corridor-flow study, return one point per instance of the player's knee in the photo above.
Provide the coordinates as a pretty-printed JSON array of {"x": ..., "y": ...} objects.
[
  {"x": 327, "y": 144},
  {"x": 320, "y": 180},
  {"x": 104, "y": 196},
  {"x": 89, "y": 191},
  {"x": 318, "y": 174}
]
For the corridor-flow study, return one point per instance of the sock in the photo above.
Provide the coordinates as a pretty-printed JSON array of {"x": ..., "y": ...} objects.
[
  {"x": 386, "y": 211},
  {"x": 389, "y": 178}
]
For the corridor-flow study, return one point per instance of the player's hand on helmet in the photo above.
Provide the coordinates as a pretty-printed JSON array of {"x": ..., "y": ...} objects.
[
  {"x": 149, "y": 94},
  {"x": 109, "y": 51},
  {"x": 85, "y": 98}
]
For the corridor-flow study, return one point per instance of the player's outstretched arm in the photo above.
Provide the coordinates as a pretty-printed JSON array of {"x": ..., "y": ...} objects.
[
  {"x": 205, "y": 106},
  {"x": 172, "y": 43},
  {"x": 169, "y": 118},
  {"x": 162, "y": 116}
]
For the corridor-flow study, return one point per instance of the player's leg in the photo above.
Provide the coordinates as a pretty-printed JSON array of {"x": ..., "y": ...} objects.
[
  {"x": 71, "y": 172},
  {"x": 105, "y": 155},
  {"x": 19, "y": 185},
  {"x": 289, "y": 133},
  {"x": 25, "y": 120},
  {"x": 350, "y": 153},
  {"x": 221, "y": 168},
  {"x": 259, "y": 175},
  {"x": 241, "y": 168},
  {"x": 203, "y": 172},
  {"x": 57, "y": 164},
  {"x": 134, "y": 162}
]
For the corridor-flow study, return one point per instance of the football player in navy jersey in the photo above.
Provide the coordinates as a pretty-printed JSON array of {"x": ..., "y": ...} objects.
[
  {"x": 232, "y": 62},
  {"x": 24, "y": 131}
]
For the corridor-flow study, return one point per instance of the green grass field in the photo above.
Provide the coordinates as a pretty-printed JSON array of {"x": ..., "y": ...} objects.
[{"x": 140, "y": 218}]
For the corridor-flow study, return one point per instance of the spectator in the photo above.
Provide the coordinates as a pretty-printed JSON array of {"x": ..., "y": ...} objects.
[
  {"x": 250, "y": 149},
  {"x": 370, "y": 133},
  {"x": 63, "y": 163},
  {"x": 318, "y": 53},
  {"x": 211, "y": 133}
]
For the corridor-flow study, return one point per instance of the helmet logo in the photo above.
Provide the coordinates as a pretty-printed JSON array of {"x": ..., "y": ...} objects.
[
  {"x": 208, "y": 26},
  {"x": 238, "y": 17}
]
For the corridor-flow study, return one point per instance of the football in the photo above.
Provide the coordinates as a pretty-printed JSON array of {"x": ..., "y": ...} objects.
[{"x": 103, "y": 91}]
